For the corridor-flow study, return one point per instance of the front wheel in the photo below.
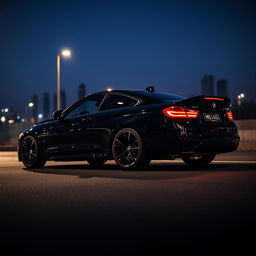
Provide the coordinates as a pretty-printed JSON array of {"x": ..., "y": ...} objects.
[
  {"x": 128, "y": 150},
  {"x": 30, "y": 153},
  {"x": 198, "y": 160}
]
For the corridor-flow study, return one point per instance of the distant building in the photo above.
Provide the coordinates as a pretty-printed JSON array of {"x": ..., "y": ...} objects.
[
  {"x": 207, "y": 85},
  {"x": 46, "y": 105},
  {"x": 34, "y": 109},
  {"x": 81, "y": 91},
  {"x": 222, "y": 88},
  {"x": 62, "y": 100}
]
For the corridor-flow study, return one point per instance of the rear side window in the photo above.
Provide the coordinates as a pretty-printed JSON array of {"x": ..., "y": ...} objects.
[{"x": 114, "y": 101}]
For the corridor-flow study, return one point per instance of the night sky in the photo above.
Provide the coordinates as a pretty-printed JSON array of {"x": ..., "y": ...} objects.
[{"x": 125, "y": 44}]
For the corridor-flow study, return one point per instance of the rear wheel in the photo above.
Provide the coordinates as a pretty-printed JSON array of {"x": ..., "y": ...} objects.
[
  {"x": 198, "y": 160},
  {"x": 128, "y": 150},
  {"x": 30, "y": 154}
]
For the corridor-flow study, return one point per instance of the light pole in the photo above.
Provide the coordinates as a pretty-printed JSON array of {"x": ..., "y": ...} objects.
[{"x": 66, "y": 53}]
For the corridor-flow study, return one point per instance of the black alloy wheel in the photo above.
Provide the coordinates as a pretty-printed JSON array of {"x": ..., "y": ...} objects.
[
  {"x": 198, "y": 160},
  {"x": 128, "y": 151},
  {"x": 30, "y": 153}
]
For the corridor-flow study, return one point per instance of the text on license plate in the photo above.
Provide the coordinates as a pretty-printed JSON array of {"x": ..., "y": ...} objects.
[{"x": 213, "y": 117}]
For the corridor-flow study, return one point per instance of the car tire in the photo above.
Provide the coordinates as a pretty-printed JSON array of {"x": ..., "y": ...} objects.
[
  {"x": 198, "y": 160},
  {"x": 30, "y": 153},
  {"x": 96, "y": 162},
  {"x": 128, "y": 150}
]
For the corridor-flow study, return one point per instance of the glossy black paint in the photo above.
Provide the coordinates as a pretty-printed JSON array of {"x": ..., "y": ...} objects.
[{"x": 90, "y": 135}]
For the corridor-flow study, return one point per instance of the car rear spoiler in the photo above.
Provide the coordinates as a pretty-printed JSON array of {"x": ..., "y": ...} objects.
[{"x": 203, "y": 99}]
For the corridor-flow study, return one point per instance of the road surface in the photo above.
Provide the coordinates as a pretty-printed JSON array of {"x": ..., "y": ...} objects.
[{"x": 168, "y": 209}]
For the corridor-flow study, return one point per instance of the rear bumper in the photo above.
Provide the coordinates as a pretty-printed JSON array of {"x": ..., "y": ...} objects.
[
  {"x": 213, "y": 145},
  {"x": 181, "y": 138},
  {"x": 215, "y": 139}
]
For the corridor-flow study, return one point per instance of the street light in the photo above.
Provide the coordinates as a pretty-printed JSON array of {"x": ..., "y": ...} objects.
[
  {"x": 66, "y": 53},
  {"x": 28, "y": 111},
  {"x": 40, "y": 116},
  {"x": 240, "y": 97}
]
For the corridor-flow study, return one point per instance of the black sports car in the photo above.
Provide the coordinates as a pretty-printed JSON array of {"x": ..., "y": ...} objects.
[{"x": 133, "y": 127}]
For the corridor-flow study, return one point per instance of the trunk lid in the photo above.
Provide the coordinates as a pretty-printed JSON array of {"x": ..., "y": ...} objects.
[{"x": 211, "y": 109}]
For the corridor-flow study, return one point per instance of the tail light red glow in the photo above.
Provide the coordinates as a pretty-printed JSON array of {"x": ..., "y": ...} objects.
[
  {"x": 180, "y": 112},
  {"x": 229, "y": 115},
  {"x": 213, "y": 98}
]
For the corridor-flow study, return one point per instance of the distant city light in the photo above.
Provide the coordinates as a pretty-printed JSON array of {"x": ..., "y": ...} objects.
[
  {"x": 240, "y": 98},
  {"x": 6, "y": 110},
  {"x": 18, "y": 117},
  {"x": 40, "y": 116},
  {"x": 66, "y": 53},
  {"x": 11, "y": 121},
  {"x": 109, "y": 90},
  {"x": 3, "y": 119},
  {"x": 30, "y": 104},
  {"x": 22, "y": 120}
]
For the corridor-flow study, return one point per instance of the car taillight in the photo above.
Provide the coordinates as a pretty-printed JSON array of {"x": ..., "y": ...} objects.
[
  {"x": 180, "y": 112},
  {"x": 229, "y": 115}
]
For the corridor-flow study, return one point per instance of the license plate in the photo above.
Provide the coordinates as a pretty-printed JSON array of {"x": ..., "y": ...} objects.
[{"x": 212, "y": 117}]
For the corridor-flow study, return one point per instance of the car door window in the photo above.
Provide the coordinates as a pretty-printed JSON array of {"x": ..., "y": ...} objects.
[
  {"x": 88, "y": 106},
  {"x": 114, "y": 101}
]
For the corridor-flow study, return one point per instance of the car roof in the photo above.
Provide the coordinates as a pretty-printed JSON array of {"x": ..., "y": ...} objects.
[{"x": 146, "y": 95}]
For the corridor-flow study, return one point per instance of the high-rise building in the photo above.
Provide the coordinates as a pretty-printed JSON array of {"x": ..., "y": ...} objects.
[
  {"x": 46, "y": 105},
  {"x": 207, "y": 85},
  {"x": 34, "y": 109},
  {"x": 62, "y": 100},
  {"x": 81, "y": 91},
  {"x": 222, "y": 88}
]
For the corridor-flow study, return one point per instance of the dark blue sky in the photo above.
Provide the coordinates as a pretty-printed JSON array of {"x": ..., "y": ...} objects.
[{"x": 125, "y": 44}]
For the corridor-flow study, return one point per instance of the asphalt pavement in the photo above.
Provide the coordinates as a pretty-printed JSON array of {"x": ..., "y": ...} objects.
[{"x": 168, "y": 209}]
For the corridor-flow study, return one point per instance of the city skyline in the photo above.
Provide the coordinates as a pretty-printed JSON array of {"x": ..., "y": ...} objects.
[
  {"x": 125, "y": 45},
  {"x": 43, "y": 106}
]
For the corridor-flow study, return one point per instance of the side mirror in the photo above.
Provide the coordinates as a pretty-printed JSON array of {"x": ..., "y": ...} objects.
[{"x": 57, "y": 114}]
